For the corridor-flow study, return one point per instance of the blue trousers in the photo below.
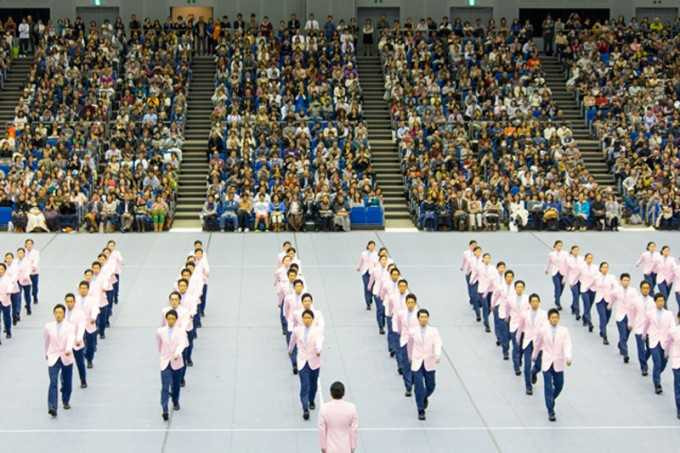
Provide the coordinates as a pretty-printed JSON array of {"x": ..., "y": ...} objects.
[
  {"x": 530, "y": 371},
  {"x": 102, "y": 317},
  {"x": 110, "y": 300},
  {"x": 284, "y": 323},
  {"x": 476, "y": 302},
  {"x": 423, "y": 385},
  {"x": 35, "y": 280},
  {"x": 553, "y": 382},
  {"x": 405, "y": 367},
  {"x": 642, "y": 352},
  {"x": 496, "y": 322},
  {"x": 469, "y": 288},
  {"x": 66, "y": 373},
  {"x": 392, "y": 336},
  {"x": 190, "y": 349},
  {"x": 486, "y": 307},
  {"x": 26, "y": 290},
  {"x": 170, "y": 380},
  {"x": 309, "y": 380},
  {"x": 624, "y": 333},
  {"x": 293, "y": 356},
  {"x": 677, "y": 299},
  {"x": 379, "y": 312},
  {"x": 204, "y": 300},
  {"x": 15, "y": 298},
  {"x": 503, "y": 333},
  {"x": 79, "y": 356},
  {"x": 587, "y": 297},
  {"x": 665, "y": 289},
  {"x": 659, "y": 364},
  {"x": 559, "y": 287},
  {"x": 676, "y": 388},
  {"x": 116, "y": 289},
  {"x": 575, "y": 293},
  {"x": 368, "y": 295},
  {"x": 7, "y": 318},
  {"x": 90, "y": 345},
  {"x": 603, "y": 313},
  {"x": 516, "y": 351},
  {"x": 651, "y": 279}
]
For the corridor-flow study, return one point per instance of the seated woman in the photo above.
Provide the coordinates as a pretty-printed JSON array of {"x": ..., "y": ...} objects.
[
  {"x": 341, "y": 210},
  {"x": 142, "y": 214},
  {"x": 551, "y": 214},
  {"x": 492, "y": 213},
  {"x": 20, "y": 214},
  {"x": 159, "y": 211},
  {"x": 278, "y": 209},
  {"x": 613, "y": 213},
  {"x": 35, "y": 219},
  {"x": 599, "y": 213},
  {"x": 262, "y": 209},
  {"x": 245, "y": 210},
  {"x": 295, "y": 214},
  {"x": 52, "y": 214}
]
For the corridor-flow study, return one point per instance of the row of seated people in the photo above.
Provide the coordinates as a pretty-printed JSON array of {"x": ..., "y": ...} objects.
[
  {"x": 104, "y": 109},
  {"x": 624, "y": 74},
  {"x": 476, "y": 110}
]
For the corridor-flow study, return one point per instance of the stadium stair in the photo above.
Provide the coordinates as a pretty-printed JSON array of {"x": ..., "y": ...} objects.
[
  {"x": 17, "y": 76},
  {"x": 384, "y": 152},
  {"x": 194, "y": 168},
  {"x": 591, "y": 152}
]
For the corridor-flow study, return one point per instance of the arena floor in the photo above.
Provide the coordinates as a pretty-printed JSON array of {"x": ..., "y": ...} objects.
[{"x": 241, "y": 396}]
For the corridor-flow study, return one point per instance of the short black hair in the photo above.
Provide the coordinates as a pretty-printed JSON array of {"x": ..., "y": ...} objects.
[
  {"x": 412, "y": 296},
  {"x": 423, "y": 311},
  {"x": 553, "y": 311},
  {"x": 3, "y": 266},
  {"x": 337, "y": 390},
  {"x": 182, "y": 280},
  {"x": 84, "y": 283},
  {"x": 499, "y": 264},
  {"x": 174, "y": 293},
  {"x": 472, "y": 242},
  {"x": 403, "y": 280},
  {"x": 557, "y": 242},
  {"x": 509, "y": 272},
  {"x": 308, "y": 312},
  {"x": 520, "y": 282},
  {"x": 307, "y": 295},
  {"x": 659, "y": 295},
  {"x": 369, "y": 243},
  {"x": 645, "y": 282},
  {"x": 534, "y": 295},
  {"x": 58, "y": 307},
  {"x": 171, "y": 313},
  {"x": 296, "y": 281},
  {"x": 71, "y": 295},
  {"x": 624, "y": 275}
]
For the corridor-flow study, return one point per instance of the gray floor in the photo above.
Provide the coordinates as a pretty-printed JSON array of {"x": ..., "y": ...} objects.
[{"x": 241, "y": 396}]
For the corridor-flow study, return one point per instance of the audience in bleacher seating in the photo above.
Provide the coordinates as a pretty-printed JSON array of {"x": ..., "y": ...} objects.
[
  {"x": 625, "y": 77},
  {"x": 288, "y": 147},
  {"x": 482, "y": 142}
]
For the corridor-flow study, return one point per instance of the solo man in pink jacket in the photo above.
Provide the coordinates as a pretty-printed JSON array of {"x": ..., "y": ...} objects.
[
  {"x": 532, "y": 322},
  {"x": 647, "y": 263},
  {"x": 556, "y": 268},
  {"x": 171, "y": 340},
  {"x": 309, "y": 341},
  {"x": 24, "y": 278},
  {"x": 90, "y": 306},
  {"x": 59, "y": 339},
  {"x": 76, "y": 317},
  {"x": 466, "y": 267},
  {"x": 425, "y": 351},
  {"x": 553, "y": 342},
  {"x": 366, "y": 262},
  {"x": 338, "y": 423},
  {"x": 406, "y": 321}
]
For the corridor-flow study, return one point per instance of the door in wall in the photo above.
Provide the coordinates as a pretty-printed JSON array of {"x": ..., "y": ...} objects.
[
  {"x": 206, "y": 12},
  {"x": 667, "y": 15},
  {"x": 98, "y": 14},
  {"x": 471, "y": 14},
  {"x": 391, "y": 14}
]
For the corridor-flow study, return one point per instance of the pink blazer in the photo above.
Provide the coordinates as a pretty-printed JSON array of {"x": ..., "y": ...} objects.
[
  {"x": 624, "y": 303},
  {"x": 392, "y": 298},
  {"x": 366, "y": 260},
  {"x": 90, "y": 307},
  {"x": 672, "y": 347},
  {"x": 297, "y": 319},
  {"x": 24, "y": 275},
  {"x": 475, "y": 266},
  {"x": 183, "y": 317},
  {"x": 34, "y": 256},
  {"x": 375, "y": 281},
  {"x": 203, "y": 269},
  {"x": 338, "y": 426},
  {"x": 573, "y": 265},
  {"x": 97, "y": 292},
  {"x": 676, "y": 276},
  {"x": 553, "y": 266},
  {"x": 291, "y": 303},
  {"x": 79, "y": 320},
  {"x": 587, "y": 276},
  {"x": 59, "y": 342},
  {"x": 465, "y": 266},
  {"x": 557, "y": 352},
  {"x": 308, "y": 352},
  {"x": 5, "y": 300},
  {"x": 424, "y": 350},
  {"x": 605, "y": 286},
  {"x": 531, "y": 329},
  {"x": 486, "y": 275},
  {"x": 498, "y": 290},
  {"x": 646, "y": 262},
  {"x": 171, "y": 347},
  {"x": 642, "y": 306},
  {"x": 190, "y": 302},
  {"x": 658, "y": 329},
  {"x": 12, "y": 274},
  {"x": 666, "y": 269},
  {"x": 404, "y": 324},
  {"x": 503, "y": 301},
  {"x": 118, "y": 260},
  {"x": 517, "y": 305}
]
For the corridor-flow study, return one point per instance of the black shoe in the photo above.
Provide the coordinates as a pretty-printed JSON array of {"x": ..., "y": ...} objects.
[
  {"x": 305, "y": 415},
  {"x": 83, "y": 385},
  {"x": 559, "y": 307},
  {"x": 8, "y": 335},
  {"x": 102, "y": 336},
  {"x": 67, "y": 406},
  {"x": 295, "y": 370},
  {"x": 605, "y": 341},
  {"x": 626, "y": 359},
  {"x": 108, "y": 324},
  {"x": 421, "y": 415},
  {"x": 368, "y": 307},
  {"x": 498, "y": 343},
  {"x": 190, "y": 362},
  {"x": 29, "y": 312},
  {"x": 530, "y": 392},
  {"x": 165, "y": 416},
  {"x": 391, "y": 353},
  {"x": 573, "y": 312},
  {"x": 52, "y": 412},
  {"x": 585, "y": 323},
  {"x": 175, "y": 406},
  {"x": 14, "y": 321},
  {"x": 382, "y": 331},
  {"x": 678, "y": 415},
  {"x": 408, "y": 394},
  {"x": 658, "y": 390},
  {"x": 645, "y": 373},
  {"x": 506, "y": 357},
  {"x": 479, "y": 319},
  {"x": 89, "y": 364},
  {"x": 35, "y": 301},
  {"x": 283, "y": 333},
  {"x": 534, "y": 378},
  {"x": 578, "y": 317},
  {"x": 426, "y": 403},
  {"x": 312, "y": 406},
  {"x": 401, "y": 373},
  {"x": 518, "y": 373},
  {"x": 182, "y": 383},
  {"x": 487, "y": 329},
  {"x": 552, "y": 418}
]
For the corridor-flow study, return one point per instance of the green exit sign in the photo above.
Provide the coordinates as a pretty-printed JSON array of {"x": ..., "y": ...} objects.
[
  {"x": 97, "y": 2},
  {"x": 472, "y": 2}
]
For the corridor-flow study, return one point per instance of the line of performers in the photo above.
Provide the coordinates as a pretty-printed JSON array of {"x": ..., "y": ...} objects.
[
  {"x": 79, "y": 321},
  {"x": 411, "y": 340},
  {"x": 19, "y": 278},
  {"x": 638, "y": 311}
]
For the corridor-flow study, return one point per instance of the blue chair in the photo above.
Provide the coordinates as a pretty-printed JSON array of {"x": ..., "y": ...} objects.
[
  {"x": 357, "y": 216},
  {"x": 5, "y": 216},
  {"x": 374, "y": 215}
]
